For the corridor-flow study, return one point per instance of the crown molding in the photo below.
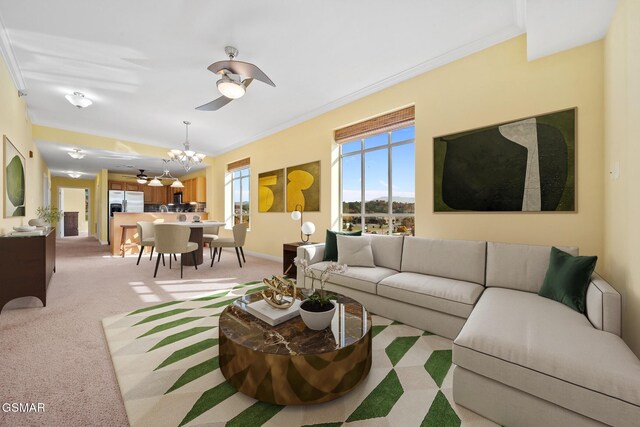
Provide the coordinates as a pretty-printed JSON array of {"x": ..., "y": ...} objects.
[
  {"x": 10, "y": 58},
  {"x": 450, "y": 56}
]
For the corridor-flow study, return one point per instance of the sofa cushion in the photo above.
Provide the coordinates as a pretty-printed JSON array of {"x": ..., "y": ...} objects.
[
  {"x": 331, "y": 243},
  {"x": 454, "y": 259},
  {"x": 355, "y": 251},
  {"x": 567, "y": 279},
  {"x": 361, "y": 278},
  {"x": 437, "y": 293},
  {"x": 548, "y": 350},
  {"x": 387, "y": 250},
  {"x": 520, "y": 267}
]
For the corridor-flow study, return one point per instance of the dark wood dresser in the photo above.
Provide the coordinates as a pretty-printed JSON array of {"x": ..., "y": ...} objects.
[{"x": 26, "y": 266}]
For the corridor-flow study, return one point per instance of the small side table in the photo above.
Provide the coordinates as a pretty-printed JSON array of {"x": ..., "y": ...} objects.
[{"x": 289, "y": 252}]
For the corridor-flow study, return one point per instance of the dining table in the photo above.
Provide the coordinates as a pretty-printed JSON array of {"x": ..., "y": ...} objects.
[{"x": 196, "y": 236}]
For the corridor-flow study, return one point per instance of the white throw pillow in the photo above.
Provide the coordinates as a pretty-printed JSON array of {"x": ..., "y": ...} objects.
[{"x": 355, "y": 251}]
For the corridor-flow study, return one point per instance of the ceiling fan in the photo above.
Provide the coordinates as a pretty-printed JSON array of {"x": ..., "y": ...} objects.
[
  {"x": 142, "y": 177},
  {"x": 236, "y": 77}
]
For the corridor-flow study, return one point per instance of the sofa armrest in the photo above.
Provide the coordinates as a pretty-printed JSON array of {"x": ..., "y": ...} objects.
[
  {"x": 313, "y": 254},
  {"x": 603, "y": 305}
]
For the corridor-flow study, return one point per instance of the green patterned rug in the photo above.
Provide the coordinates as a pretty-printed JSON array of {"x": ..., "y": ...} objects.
[{"x": 166, "y": 361}]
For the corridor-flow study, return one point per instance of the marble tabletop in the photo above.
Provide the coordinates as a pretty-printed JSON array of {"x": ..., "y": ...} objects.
[{"x": 350, "y": 323}]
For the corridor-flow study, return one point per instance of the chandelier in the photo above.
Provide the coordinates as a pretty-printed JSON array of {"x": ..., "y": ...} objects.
[
  {"x": 187, "y": 157},
  {"x": 155, "y": 182}
]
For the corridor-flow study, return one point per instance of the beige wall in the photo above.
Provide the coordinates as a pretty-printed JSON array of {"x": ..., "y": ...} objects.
[
  {"x": 58, "y": 182},
  {"x": 622, "y": 144},
  {"x": 15, "y": 124},
  {"x": 74, "y": 202},
  {"x": 492, "y": 86}
]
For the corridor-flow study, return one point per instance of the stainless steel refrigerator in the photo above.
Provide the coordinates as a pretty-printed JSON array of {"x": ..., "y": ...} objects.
[{"x": 124, "y": 201}]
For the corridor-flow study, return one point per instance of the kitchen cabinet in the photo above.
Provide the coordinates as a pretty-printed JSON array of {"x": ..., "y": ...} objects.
[
  {"x": 123, "y": 185},
  {"x": 116, "y": 185},
  {"x": 195, "y": 190},
  {"x": 155, "y": 195}
]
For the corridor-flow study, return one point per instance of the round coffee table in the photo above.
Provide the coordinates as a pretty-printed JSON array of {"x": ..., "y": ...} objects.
[{"x": 290, "y": 364}]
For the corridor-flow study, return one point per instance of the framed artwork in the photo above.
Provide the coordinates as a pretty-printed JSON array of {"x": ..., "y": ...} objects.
[
  {"x": 303, "y": 187},
  {"x": 526, "y": 165},
  {"x": 271, "y": 191},
  {"x": 14, "y": 180}
]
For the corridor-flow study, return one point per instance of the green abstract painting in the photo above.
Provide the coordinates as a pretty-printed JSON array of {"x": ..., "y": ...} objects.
[
  {"x": 526, "y": 165},
  {"x": 14, "y": 181}
]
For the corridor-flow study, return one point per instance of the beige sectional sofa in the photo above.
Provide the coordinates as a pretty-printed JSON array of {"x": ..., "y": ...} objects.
[{"x": 520, "y": 359}]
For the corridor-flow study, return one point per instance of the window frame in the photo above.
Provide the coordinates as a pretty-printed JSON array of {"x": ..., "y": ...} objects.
[
  {"x": 240, "y": 179},
  {"x": 389, "y": 215}
]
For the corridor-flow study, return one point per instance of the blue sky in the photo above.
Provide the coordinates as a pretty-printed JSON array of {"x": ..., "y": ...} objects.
[{"x": 376, "y": 168}]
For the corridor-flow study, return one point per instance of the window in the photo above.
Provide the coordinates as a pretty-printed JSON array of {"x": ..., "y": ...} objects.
[
  {"x": 375, "y": 169},
  {"x": 240, "y": 191}
]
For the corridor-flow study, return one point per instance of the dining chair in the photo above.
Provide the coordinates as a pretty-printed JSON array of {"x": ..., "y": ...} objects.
[
  {"x": 237, "y": 242},
  {"x": 146, "y": 235},
  {"x": 173, "y": 239},
  {"x": 209, "y": 234}
]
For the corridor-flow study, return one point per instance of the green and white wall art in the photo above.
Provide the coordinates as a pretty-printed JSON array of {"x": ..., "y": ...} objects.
[
  {"x": 525, "y": 165},
  {"x": 14, "y": 183}
]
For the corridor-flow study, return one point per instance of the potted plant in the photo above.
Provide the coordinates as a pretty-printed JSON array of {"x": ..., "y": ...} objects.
[
  {"x": 49, "y": 214},
  {"x": 319, "y": 307}
]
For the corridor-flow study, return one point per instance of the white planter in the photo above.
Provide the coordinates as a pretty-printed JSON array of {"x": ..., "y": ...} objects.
[{"x": 317, "y": 320}]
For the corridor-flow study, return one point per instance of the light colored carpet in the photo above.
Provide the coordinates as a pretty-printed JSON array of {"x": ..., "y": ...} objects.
[
  {"x": 166, "y": 360},
  {"x": 58, "y": 355}
]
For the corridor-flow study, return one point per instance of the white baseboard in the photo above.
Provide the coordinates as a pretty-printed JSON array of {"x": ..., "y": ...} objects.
[{"x": 103, "y": 242}]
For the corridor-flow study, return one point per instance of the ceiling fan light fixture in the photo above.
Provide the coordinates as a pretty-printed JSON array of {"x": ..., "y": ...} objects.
[
  {"x": 77, "y": 99},
  {"x": 230, "y": 88},
  {"x": 77, "y": 154},
  {"x": 141, "y": 181}
]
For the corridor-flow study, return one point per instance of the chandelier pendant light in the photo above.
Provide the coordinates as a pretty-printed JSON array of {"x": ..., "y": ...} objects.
[
  {"x": 187, "y": 157},
  {"x": 156, "y": 181}
]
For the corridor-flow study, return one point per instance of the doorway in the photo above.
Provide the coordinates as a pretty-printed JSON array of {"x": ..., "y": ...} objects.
[{"x": 74, "y": 203}]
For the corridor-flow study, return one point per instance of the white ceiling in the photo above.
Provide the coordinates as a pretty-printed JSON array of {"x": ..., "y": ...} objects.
[
  {"x": 60, "y": 163},
  {"x": 144, "y": 62}
]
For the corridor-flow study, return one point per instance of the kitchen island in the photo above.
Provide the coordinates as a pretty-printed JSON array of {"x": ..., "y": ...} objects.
[{"x": 131, "y": 218}]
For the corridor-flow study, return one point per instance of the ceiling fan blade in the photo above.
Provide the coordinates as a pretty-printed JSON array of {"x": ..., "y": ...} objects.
[
  {"x": 243, "y": 68},
  {"x": 216, "y": 104}
]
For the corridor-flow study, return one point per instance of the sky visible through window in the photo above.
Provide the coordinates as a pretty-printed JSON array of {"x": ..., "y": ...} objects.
[{"x": 376, "y": 169}]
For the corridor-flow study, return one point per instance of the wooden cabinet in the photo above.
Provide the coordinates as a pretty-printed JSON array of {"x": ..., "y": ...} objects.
[
  {"x": 195, "y": 190},
  {"x": 27, "y": 264},
  {"x": 116, "y": 185},
  {"x": 155, "y": 195},
  {"x": 70, "y": 224},
  {"x": 132, "y": 186},
  {"x": 123, "y": 185}
]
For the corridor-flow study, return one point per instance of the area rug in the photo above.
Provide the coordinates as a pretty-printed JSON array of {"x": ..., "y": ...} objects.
[{"x": 166, "y": 361}]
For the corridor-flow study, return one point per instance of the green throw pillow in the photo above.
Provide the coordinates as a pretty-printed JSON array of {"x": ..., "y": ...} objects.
[
  {"x": 331, "y": 243},
  {"x": 567, "y": 279}
]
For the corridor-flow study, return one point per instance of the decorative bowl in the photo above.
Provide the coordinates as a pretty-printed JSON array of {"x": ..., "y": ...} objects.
[{"x": 22, "y": 228}]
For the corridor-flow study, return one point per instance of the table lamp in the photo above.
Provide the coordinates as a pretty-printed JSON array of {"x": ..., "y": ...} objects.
[{"x": 306, "y": 228}]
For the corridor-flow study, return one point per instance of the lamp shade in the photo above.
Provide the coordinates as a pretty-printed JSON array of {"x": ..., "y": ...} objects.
[
  {"x": 230, "y": 88},
  {"x": 177, "y": 184},
  {"x": 296, "y": 215},
  {"x": 155, "y": 182},
  {"x": 308, "y": 228}
]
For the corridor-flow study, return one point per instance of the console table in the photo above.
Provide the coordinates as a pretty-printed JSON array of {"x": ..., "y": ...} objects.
[
  {"x": 289, "y": 252},
  {"x": 27, "y": 264}
]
